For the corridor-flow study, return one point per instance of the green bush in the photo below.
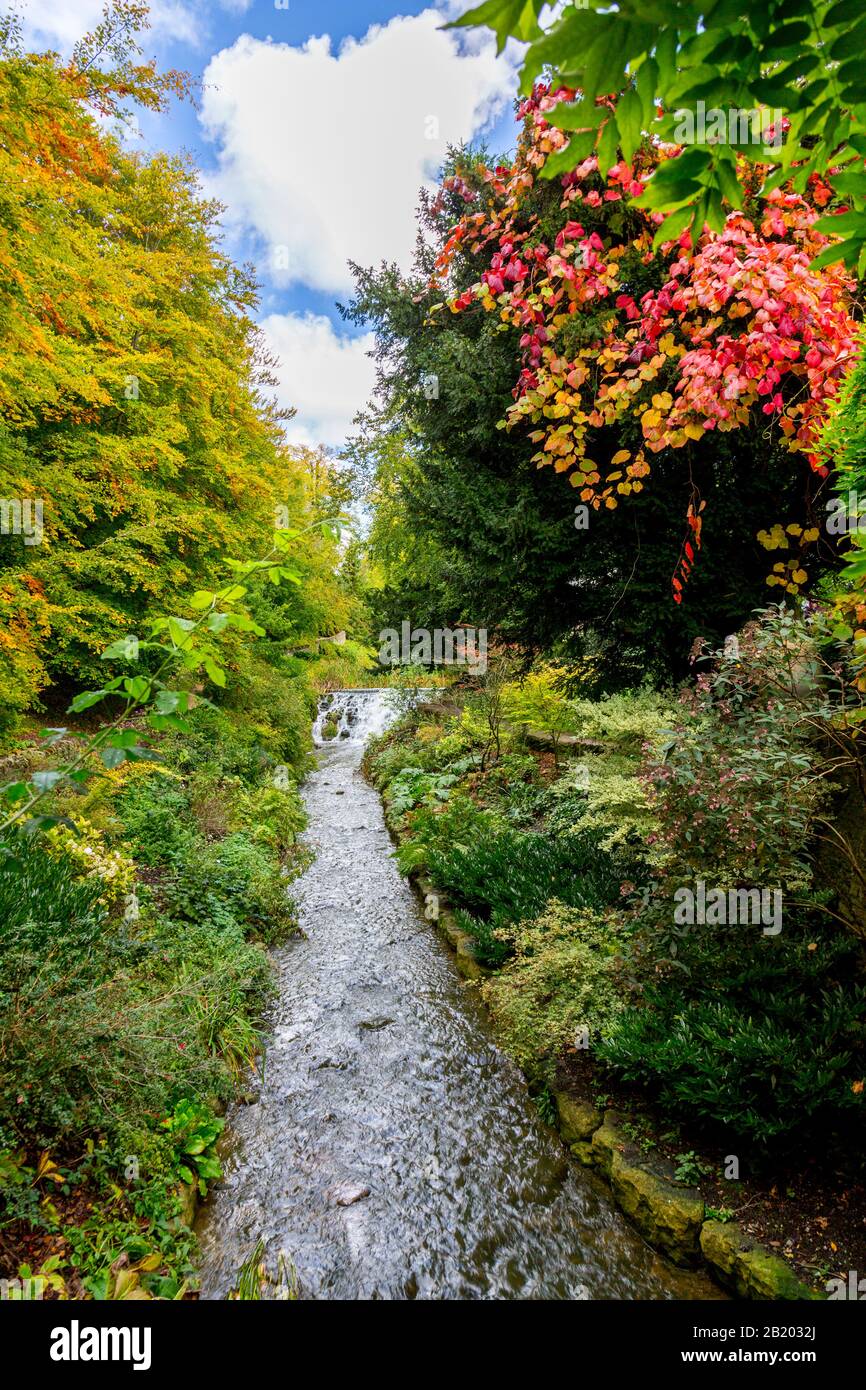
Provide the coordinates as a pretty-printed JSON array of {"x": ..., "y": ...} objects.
[
  {"x": 499, "y": 880},
  {"x": 763, "y": 1037},
  {"x": 99, "y": 1019},
  {"x": 440, "y": 826},
  {"x": 156, "y": 818},
  {"x": 232, "y": 882},
  {"x": 561, "y": 980},
  {"x": 413, "y": 785},
  {"x": 272, "y": 815}
]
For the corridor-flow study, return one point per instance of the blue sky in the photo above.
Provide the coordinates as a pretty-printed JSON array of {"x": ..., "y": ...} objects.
[{"x": 316, "y": 125}]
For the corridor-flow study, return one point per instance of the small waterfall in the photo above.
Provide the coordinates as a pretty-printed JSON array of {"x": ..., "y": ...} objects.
[{"x": 353, "y": 716}]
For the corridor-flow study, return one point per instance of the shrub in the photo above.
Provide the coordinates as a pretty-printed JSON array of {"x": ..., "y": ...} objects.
[
  {"x": 156, "y": 818},
  {"x": 440, "y": 827},
  {"x": 735, "y": 784},
  {"x": 413, "y": 785},
  {"x": 88, "y": 855},
  {"x": 499, "y": 880},
  {"x": 562, "y": 979},
  {"x": 229, "y": 883},
  {"x": 272, "y": 815},
  {"x": 93, "y": 1012},
  {"x": 780, "y": 1069},
  {"x": 762, "y": 1036},
  {"x": 539, "y": 701}
]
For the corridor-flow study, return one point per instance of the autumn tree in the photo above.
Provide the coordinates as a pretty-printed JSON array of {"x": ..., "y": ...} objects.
[
  {"x": 135, "y": 392},
  {"x": 635, "y": 342}
]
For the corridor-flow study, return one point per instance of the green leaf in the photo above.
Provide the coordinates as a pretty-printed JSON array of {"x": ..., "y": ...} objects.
[
  {"x": 178, "y": 631},
  {"x": 840, "y": 223},
  {"x": 579, "y": 146},
  {"x": 516, "y": 19},
  {"x": 86, "y": 700},
  {"x": 120, "y": 649},
  {"x": 647, "y": 87},
  {"x": 15, "y": 791},
  {"x": 123, "y": 738},
  {"x": 847, "y": 251},
  {"x": 850, "y": 44},
  {"x": 849, "y": 183},
  {"x": 137, "y": 688},
  {"x": 673, "y": 226},
  {"x": 163, "y": 722},
  {"x": 46, "y": 781},
  {"x": 843, "y": 13},
  {"x": 728, "y": 183},
  {"x": 786, "y": 36},
  {"x": 167, "y": 701},
  {"x": 576, "y": 115},
  {"x": 112, "y": 757},
  {"x": 666, "y": 57},
  {"x": 629, "y": 118},
  {"x": 215, "y": 672},
  {"x": 608, "y": 146}
]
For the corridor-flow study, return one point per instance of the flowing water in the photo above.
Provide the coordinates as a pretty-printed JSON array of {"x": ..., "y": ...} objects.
[{"x": 381, "y": 1077}]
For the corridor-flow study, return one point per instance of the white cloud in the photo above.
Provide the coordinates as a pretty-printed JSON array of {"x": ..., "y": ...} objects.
[
  {"x": 47, "y": 24},
  {"x": 321, "y": 154},
  {"x": 327, "y": 376}
]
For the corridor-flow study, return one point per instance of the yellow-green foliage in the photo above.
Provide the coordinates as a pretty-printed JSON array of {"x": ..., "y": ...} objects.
[
  {"x": 620, "y": 728},
  {"x": 561, "y": 980},
  {"x": 96, "y": 801},
  {"x": 539, "y": 701},
  {"x": 627, "y": 720},
  {"x": 86, "y": 849}
]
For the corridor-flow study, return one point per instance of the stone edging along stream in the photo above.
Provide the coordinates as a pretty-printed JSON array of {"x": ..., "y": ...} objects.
[{"x": 670, "y": 1216}]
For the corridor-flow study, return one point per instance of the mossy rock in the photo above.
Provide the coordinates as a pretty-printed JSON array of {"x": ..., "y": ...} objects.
[
  {"x": 608, "y": 1141},
  {"x": 583, "y": 1152},
  {"x": 746, "y": 1268},
  {"x": 670, "y": 1217},
  {"x": 188, "y": 1194},
  {"x": 447, "y": 924},
  {"x": 470, "y": 968},
  {"x": 578, "y": 1120}
]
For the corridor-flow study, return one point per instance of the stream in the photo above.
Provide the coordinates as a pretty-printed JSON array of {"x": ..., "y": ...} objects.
[{"x": 382, "y": 1078}]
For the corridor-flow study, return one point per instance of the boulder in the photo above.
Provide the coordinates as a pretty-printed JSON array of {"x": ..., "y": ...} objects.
[
  {"x": 670, "y": 1217},
  {"x": 188, "y": 1193},
  {"x": 467, "y": 963},
  {"x": 607, "y": 1141},
  {"x": 578, "y": 1120},
  {"x": 746, "y": 1268}
]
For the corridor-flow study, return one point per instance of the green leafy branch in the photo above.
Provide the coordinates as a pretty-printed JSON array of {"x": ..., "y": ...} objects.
[
  {"x": 185, "y": 645},
  {"x": 802, "y": 58}
]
